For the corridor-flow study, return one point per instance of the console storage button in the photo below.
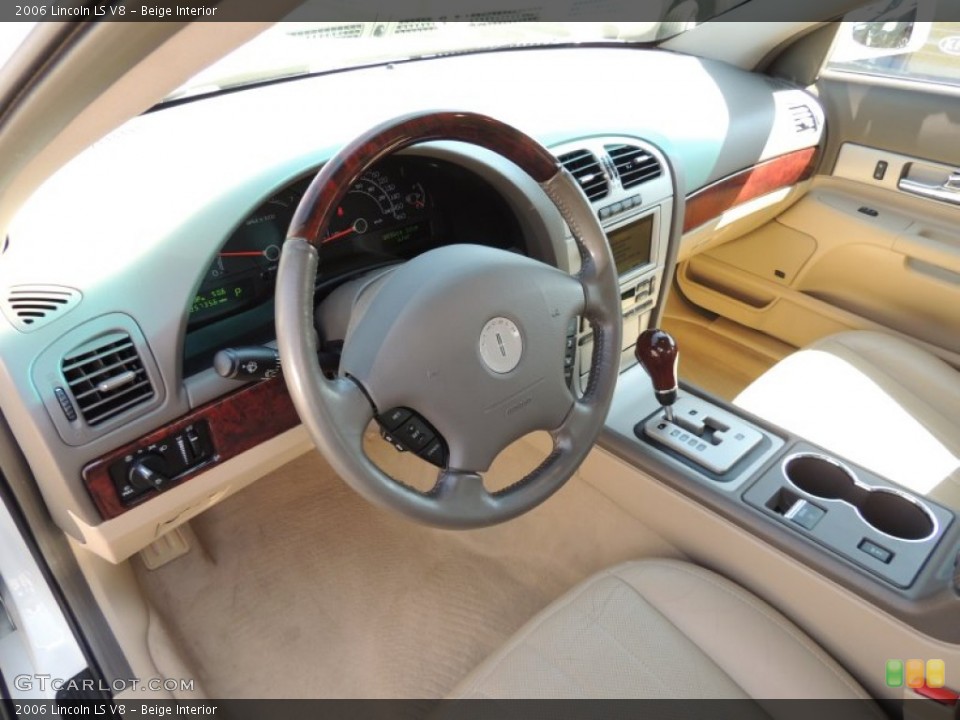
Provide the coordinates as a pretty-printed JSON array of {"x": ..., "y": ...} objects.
[
  {"x": 805, "y": 514},
  {"x": 875, "y": 551}
]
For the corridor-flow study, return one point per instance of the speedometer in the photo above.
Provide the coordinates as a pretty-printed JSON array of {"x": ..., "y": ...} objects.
[
  {"x": 372, "y": 202},
  {"x": 381, "y": 199}
]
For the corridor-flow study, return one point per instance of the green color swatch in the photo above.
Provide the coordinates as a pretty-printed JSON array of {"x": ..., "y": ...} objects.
[{"x": 894, "y": 673}]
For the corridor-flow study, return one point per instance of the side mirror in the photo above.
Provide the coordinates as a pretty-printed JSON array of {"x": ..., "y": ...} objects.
[
  {"x": 884, "y": 29},
  {"x": 883, "y": 35}
]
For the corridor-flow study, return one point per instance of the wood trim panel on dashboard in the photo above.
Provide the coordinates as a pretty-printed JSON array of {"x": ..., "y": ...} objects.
[
  {"x": 237, "y": 422},
  {"x": 766, "y": 177}
]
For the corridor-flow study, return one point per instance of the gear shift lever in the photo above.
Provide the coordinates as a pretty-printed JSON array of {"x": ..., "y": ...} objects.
[
  {"x": 657, "y": 352},
  {"x": 704, "y": 433}
]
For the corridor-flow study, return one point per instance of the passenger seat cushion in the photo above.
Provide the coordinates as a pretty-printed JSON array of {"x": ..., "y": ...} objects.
[{"x": 659, "y": 629}]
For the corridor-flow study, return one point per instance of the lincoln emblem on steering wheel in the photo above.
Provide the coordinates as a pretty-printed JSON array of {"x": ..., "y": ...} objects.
[{"x": 501, "y": 345}]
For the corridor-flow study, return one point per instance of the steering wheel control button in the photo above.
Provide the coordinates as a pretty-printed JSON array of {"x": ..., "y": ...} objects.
[
  {"x": 408, "y": 432},
  {"x": 392, "y": 419},
  {"x": 434, "y": 454},
  {"x": 570, "y": 351},
  {"x": 392, "y": 440},
  {"x": 414, "y": 434},
  {"x": 501, "y": 345}
]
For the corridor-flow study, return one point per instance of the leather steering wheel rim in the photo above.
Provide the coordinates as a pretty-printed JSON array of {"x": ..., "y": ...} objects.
[{"x": 337, "y": 412}]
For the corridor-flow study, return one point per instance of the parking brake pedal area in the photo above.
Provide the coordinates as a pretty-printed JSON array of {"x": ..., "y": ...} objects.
[{"x": 707, "y": 435}]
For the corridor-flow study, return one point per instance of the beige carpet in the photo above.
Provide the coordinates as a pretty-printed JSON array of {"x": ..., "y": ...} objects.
[{"x": 301, "y": 589}]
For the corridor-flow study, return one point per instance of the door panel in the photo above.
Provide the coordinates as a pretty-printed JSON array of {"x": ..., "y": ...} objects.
[
  {"x": 862, "y": 249},
  {"x": 824, "y": 267},
  {"x": 913, "y": 120}
]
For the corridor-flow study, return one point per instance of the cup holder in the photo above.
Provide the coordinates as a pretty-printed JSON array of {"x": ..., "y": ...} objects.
[{"x": 888, "y": 511}]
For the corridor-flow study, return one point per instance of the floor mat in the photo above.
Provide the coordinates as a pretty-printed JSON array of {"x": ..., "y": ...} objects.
[{"x": 302, "y": 589}]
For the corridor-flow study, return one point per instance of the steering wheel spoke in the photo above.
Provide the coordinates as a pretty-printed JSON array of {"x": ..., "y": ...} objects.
[
  {"x": 352, "y": 408},
  {"x": 460, "y": 493},
  {"x": 575, "y": 424}
]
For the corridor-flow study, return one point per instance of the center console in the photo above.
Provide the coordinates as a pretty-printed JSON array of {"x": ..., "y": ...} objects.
[
  {"x": 895, "y": 548},
  {"x": 630, "y": 185}
]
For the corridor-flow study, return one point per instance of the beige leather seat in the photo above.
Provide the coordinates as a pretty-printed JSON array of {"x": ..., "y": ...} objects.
[
  {"x": 662, "y": 629},
  {"x": 874, "y": 399}
]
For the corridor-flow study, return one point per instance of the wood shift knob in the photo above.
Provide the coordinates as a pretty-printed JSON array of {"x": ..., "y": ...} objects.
[{"x": 657, "y": 352}]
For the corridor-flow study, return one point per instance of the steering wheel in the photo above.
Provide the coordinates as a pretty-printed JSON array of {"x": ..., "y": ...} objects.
[{"x": 469, "y": 337}]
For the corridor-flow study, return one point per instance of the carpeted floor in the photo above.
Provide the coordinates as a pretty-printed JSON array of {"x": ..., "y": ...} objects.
[{"x": 299, "y": 588}]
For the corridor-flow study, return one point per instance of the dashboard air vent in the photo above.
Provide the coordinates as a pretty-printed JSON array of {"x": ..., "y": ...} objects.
[
  {"x": 803, "y": 118},
  {"x": 30, "y": 307},
  {"x": 583, "y": 165},
  {"x": 634, "y": 166},
  {"x": 106, "y": 378}
]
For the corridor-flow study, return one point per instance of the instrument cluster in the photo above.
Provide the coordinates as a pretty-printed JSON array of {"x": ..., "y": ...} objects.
[
  {"x": 388, "y": 215},
  {"x": 401, "y": 208}
]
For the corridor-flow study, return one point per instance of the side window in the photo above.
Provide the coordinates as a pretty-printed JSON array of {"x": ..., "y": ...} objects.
[{"x": 899, "y": 39}]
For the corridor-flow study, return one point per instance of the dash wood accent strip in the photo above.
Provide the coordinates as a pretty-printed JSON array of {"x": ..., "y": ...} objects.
[
  {"x": 780, "y": 172},
  {"x": 237, "y": 422}
]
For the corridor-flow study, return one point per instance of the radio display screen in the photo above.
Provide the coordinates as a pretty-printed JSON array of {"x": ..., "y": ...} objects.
[{"x": 631, "y": 244}]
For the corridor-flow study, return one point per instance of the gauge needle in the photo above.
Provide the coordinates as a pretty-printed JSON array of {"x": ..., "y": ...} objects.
[
  {"x": 246, "y": 253},
  {"x": 338, "y": 235}
]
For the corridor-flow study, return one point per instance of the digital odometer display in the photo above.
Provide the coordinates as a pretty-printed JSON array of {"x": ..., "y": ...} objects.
[
  {"x": 221, "y": 300},
  {"x": 631, "y": 244},
  {"x": 405, "y": 235}
]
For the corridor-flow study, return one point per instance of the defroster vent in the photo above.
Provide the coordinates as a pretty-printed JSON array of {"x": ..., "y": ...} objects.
[
  {"x": 634, "y": 165},
  {"x": 583, "y": 165},
  {"x": 106, "y": 378},
  {"x": 30, "y": 307}
]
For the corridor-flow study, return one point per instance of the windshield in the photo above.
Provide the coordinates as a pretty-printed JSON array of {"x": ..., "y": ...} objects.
[
  {"x": 298, "y": 48},
  {"x": 12, "y": 35}
]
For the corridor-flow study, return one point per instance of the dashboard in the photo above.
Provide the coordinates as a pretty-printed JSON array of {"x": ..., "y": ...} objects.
[{"x": 154, "y": 254}]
